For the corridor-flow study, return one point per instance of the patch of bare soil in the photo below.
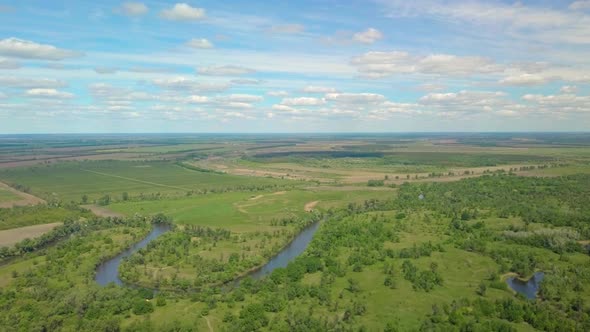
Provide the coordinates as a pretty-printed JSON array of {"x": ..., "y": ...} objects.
[
  {"x": 25, "y": 199},
  {"x": 102, "y": 211},
  {"x": 310, "y": 206},
  {"x": 10, "y": 237}
]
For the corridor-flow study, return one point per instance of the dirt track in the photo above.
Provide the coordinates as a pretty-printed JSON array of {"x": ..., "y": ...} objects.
[
  {"x": 10, "y": 237},
  {"x": 25, "y": 199}
]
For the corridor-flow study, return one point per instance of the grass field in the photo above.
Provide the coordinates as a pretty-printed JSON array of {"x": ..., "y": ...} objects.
[
  {"x": 72, "y": 180},
  {"x": 240, "y": 211}
]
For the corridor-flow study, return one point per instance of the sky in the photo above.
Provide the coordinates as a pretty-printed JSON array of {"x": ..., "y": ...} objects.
[{"x": 294, "y": 66}]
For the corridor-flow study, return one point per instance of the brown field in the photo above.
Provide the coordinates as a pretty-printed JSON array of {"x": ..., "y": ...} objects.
[
  {"x": 102, "y": 211},
  {"x": 10, "y": 237},
  {"x": 25, "y": 199}
]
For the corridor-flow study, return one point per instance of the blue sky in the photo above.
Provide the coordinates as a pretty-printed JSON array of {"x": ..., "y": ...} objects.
[{"x": 294, "y": 66}]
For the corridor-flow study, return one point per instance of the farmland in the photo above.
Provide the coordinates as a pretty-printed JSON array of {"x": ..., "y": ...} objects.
[{"x": 416, "y": 232}]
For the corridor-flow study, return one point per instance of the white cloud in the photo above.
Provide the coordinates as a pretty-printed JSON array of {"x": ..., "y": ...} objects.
[
  {"x": 19, "y": 48},
  {"x": 318, "y": 89},
  {"x": 355, "y": 98},
  {"x": 524, "y": 79},
  {"x": 239, "y": 98},
  {"x": 541, "y": 23},
  {"x": 368, "y": 36},
  {"x": 383, "y": 64},
  {"x": 198, "y": 99},
  {"x": 199, "y": 43},
  {"x": 287, "y": 28},
  {"x": 30, "y": 83},
  {"x": 132, "y": 9},
  {"x": 580, "y": 5},
  {"x": 48, "y": 93},
  {"x": 277, "y": 93},
  {"x": 225, "y": 71},
  {"x": 245, "y": 81},
  {"x": 185, "y": 84},
  {"x": 303, "y": 101},
  {"x": 183, "y": 12},
  {"x": 569, "y": 89},
  {"x": 9, "y": 64}
]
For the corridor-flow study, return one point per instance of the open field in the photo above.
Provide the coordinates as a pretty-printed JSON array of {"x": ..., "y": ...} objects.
[
  {"x": 415, "y": 232},
  {"x": 10, "y": 197},
  {"x": 72, "y": 180},
  {"x": 245, "y": 211},
  {"x": 10, "y": 237}
]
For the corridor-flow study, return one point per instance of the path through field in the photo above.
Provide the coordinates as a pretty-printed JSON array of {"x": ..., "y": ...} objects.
[{"x": 10, "y": 237}]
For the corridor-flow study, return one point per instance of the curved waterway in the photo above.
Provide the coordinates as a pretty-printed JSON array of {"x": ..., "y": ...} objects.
[
  {"x": 108, "y": 271},
  {"x": 528, "y": 288}
]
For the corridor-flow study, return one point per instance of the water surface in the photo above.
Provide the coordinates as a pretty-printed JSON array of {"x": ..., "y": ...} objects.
[
  {"x": 528, "y": 288},
  {"x": 108, "y": 271}
]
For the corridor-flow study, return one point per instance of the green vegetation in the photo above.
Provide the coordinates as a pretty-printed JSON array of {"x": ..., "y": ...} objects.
[
  {"x": 20, "y": 216},
  {"x": 415, "y": 234},
  {"x": 140, "y": 180}
]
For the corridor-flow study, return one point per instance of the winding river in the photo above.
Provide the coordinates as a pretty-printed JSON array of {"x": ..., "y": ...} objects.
[
  {"x": 528, "y": 288},
  {"x": 108, "y": 271}
]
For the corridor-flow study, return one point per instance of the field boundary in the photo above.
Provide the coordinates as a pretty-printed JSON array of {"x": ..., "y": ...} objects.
[
  {"x": 26, "y": 199},
  {"x": 135, "y": 180},
  {"x": 10, "y": 237}
]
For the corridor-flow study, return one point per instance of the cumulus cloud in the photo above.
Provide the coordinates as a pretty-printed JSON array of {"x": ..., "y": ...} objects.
[
  {"x": 383, "y": 64},
  {"x": 318, "y": 89},
  {"x": 225, "y": 71},
  {"x": 524, "y": 79},
  {"x": 48, "y": 93},
  {"x": 303, "y": 101},
  {"x": 117, "y": 95},
  {"x": 279, "y": 93},
  {"x": 132, "y": 9},
  {"x": 355, "y": 98},
  {"x": 287, "y": 28},
  {"x": 19, "y": 48},
  {"x": 183, "y": 12},
  {"x": 199, "y": 43},
  {"x": 31, "y": 83},
  {"x": 9, "y": 64},
  {"x": 368, "y": 36}
]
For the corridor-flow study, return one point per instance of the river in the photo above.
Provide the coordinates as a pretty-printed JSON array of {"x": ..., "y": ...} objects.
[{"x": 108, "y": 271}]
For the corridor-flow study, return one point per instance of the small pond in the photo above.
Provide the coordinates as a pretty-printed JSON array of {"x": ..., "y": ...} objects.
[{"x": 528, "y": 288}]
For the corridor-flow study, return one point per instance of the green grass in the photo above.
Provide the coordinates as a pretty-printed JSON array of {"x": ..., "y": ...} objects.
[
  {"x": 241, "y": 211},
  {"x": 36, "y": 215},
  {"x": 71, "y": 180}
]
